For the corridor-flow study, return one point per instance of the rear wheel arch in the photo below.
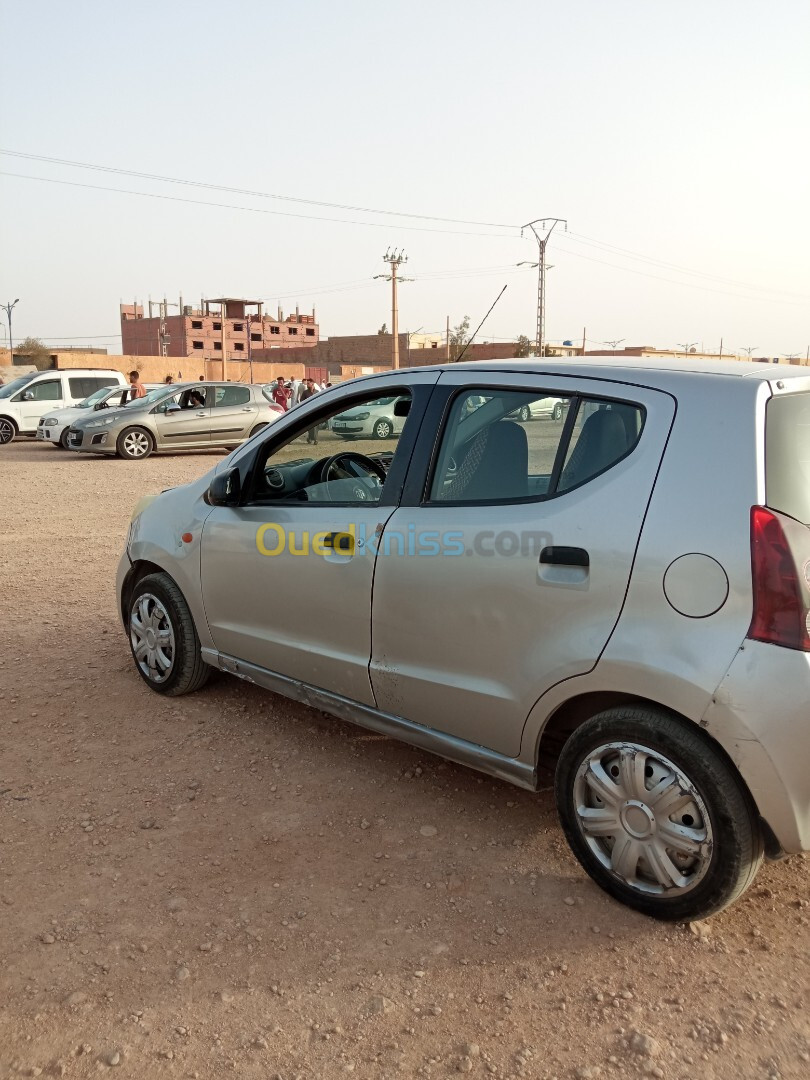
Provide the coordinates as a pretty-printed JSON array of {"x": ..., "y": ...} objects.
[{"x": 577, "y": 710}]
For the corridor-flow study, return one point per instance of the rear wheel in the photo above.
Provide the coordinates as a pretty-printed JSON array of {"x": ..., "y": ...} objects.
[
  {"x": 135, "y": 443},
  {"x": 8, "y": 430},
  {"x": 558, "y": 411},
  {"x": 656, "y": 814},
  {"x": 163, "y": 638},
  {"x": 258, "y": 427}
]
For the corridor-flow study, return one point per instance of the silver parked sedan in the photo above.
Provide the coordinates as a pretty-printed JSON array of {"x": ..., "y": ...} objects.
[
  {"x": 622, "y": 597},
  {"x": 190, "y": 416}
]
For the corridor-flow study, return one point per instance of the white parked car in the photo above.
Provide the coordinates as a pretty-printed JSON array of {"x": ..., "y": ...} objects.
[
  {"x": 27, "y": 398},
  {"x": 54, "y": 427}
]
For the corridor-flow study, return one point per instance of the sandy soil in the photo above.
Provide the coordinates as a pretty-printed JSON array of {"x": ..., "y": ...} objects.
[{"x": 232, "y": 884}]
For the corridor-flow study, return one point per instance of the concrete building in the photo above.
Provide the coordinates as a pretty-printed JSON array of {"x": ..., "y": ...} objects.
[{"x": 225, "y": 328}]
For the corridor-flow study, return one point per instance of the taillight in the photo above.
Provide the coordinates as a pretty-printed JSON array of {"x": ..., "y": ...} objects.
[{"x": 781, "y": 607}]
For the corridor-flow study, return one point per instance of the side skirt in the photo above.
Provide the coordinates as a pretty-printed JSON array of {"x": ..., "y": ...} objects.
[{"x": 447, "y": 746}]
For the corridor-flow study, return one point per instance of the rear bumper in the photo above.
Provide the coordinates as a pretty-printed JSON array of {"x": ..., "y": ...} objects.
[{"x": 760, "y": 714}]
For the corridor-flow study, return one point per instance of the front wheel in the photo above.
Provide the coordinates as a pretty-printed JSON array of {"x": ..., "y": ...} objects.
[
  {"x": 558, "y": 411},
  {"x": 8, "y": 430},
  {"x": 383, "y": 429},
  {"x": 64, "y": 439},
  {"x": 258, "y": 427},
  {"x": 163, "y": 638},
  {"x": 135, "y": 444},
  {"x": 524, "y": 414},
  {"x": 656, "y": 814}
]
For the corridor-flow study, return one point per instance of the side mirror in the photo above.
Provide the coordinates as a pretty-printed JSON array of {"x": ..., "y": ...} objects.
[
  {"x": 402, "y": 407},
  {"x": 225, "y": 489},
  {"x": 28, "y": 395},
  {"x": 99, "y": 405},
  {"x": 173, "y": 407}
]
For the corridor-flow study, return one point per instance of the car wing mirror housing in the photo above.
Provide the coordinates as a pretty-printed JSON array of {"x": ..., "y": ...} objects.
[
  {"x": 174, "y": 407},
  {"x": 225, "y": 489},
  {"x": 402, "y": 407}
]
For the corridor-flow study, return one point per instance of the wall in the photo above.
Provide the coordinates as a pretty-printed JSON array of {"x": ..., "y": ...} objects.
[{"x": 190, "y": 368}]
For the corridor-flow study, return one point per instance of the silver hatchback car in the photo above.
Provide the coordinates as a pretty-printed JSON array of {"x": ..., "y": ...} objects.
[
  {"x": 188, "y": 416},
  {"x": 622, "y": 597}
]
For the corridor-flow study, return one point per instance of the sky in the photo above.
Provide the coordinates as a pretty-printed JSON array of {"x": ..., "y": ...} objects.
[{"x": 671, "y": 138}]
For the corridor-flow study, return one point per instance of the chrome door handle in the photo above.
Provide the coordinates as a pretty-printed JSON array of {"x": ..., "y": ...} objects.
[{"x": 247, "y": 408}]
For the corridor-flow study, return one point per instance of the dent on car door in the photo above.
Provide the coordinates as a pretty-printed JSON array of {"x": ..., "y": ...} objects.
[{"x": 520, "y": 540}]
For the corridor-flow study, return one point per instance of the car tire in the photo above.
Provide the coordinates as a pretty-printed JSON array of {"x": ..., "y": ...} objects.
[
  {"x": 258, "y": 427},
  {"x": 524, "y": 414},
  {"x": 177, "y": 667},
  {"x": 135, "y": 444},
  {"x": 605, "y": 771},
  {"x": 383, "y": 429},
  {"x": 8, "y": 430},
  {"x": 558, "y": 411},
  {"x": 63, "y": 439}
]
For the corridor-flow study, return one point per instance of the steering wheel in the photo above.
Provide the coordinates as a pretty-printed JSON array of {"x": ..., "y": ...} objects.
[{"x": 363, "y": 467}]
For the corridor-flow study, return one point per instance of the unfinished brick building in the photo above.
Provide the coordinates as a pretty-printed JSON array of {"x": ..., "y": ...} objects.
[{"x": 225, "y": 328}]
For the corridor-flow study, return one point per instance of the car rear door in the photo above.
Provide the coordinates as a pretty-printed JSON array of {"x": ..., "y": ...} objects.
[
  {"x": 512, "y": 588},
  {"x": 233, "y": 413}
]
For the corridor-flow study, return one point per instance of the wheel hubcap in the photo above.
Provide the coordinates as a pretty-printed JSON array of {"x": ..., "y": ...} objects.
[
  {"x": 6, "y": 431},
  {"x": 152, "y": 637},
  {"x": 136, "y": 444},
  {"x": 643, "y": 819}
]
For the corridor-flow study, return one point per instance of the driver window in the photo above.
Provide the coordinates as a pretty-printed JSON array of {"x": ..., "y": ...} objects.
[{"x": 340, "y": 458}]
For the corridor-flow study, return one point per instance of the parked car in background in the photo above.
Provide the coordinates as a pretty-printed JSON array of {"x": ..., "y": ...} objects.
[
  {"x": 54, "y": 426},
  {"x": 24, "y": 400},
  {"x": 189, "y": 416},
  {"x": 549, "y": 408},
  {"x": 623, "y": 599},
  {"x": 375, "y": 420}
]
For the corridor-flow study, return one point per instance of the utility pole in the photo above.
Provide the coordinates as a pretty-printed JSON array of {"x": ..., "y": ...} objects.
[
  {"x": 8, "y": 308},
  {"x": 394, "y": 258},
  {"x": 686, "y": 346},
  {"x": 248, "y": 322},
  {"x": 447, "y": 346},
  {"x": 541, "y": 235}
]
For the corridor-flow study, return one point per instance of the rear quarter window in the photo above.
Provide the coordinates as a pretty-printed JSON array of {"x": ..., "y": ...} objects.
[{"x": 787, "y": 455}]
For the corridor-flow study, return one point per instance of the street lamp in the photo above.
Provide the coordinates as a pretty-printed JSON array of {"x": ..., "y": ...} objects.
[
  {"x": 749, "y": 349},
  {"x": 686, "y": 346},
  {"x": 412, "y": 333},
  {"x": 8, "y": 308},
  {"x": 614, "y": 344}
]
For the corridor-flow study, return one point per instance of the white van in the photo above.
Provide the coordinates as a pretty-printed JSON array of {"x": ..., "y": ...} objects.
[{"x": 25, "y": 399}]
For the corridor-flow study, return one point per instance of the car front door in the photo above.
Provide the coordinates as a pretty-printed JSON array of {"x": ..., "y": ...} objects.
[
  {"x": 43, "y": 397},
  {"x": 181, "y": 421},
  {"x": 287, "y": 574},
  {"x": 525, "y": 536},
  {"x": 233, "y": 413}
]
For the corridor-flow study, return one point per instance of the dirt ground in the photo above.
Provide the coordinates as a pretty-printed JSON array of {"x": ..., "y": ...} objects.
[{"x": 231, "y": 884}]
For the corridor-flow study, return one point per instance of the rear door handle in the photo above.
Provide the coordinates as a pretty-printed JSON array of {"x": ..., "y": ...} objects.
[{"x": 565, "y": 556}]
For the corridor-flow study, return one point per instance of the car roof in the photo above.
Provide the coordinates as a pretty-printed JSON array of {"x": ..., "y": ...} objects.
[{"x": 640, "y": 371}]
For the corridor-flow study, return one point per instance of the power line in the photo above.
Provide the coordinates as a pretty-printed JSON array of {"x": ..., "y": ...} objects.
[
  {"x": 247, "y": 191},
  {"x": 601, "y": 244},
  {"x": 685, "y": 284},
  {"x": 251, "y": 209}
]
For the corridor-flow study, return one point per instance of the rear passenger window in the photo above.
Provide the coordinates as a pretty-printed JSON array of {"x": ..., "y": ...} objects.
[
  {"x": 510, "y": 445},
  {"x": 85, "y": 385},
  {"x": 232, "y": 395},
  {"x": 603, "y": 433},
  {"x": 787, "y": 455}
]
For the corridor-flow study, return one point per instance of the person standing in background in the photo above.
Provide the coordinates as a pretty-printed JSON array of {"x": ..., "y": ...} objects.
[
  {"x": 136, "y": 387},
  {"x": 280, "y": 393}
]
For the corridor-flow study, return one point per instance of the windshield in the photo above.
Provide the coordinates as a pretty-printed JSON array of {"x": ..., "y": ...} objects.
[
  {"x": 99, "y": 395},
  {"x": 152, "y": 396},
  {"x": 787, "y": 455},
  {"x": 17, "y": 384}
]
